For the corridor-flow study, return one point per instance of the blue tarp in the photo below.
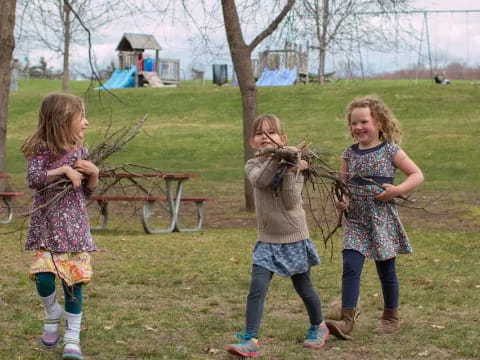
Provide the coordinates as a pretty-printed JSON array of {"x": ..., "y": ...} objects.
[
  {"x": 283, "y": 77},
  {"x": 120, "y": 79}
]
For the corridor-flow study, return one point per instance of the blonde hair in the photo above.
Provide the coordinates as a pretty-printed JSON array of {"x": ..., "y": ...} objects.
[
  {"x": 55, "y": 125},
  {"x": 272, "y": 120},
  {"x": 388, "y": 124}
]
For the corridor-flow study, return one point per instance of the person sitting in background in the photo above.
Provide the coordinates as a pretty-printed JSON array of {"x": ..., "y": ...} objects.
[{"x": 441, "y": 79}]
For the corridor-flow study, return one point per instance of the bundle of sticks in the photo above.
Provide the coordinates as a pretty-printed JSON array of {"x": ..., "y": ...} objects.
[
  {"x": 321, "y": 179},
  {"x": 325, "y": 186},
  {"x": 112, "y": 143}
]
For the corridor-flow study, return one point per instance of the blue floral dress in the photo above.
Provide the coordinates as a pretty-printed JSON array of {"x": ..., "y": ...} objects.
[
  {"x": 373, "y": 227},
  {"x": 286, "y": 259}
]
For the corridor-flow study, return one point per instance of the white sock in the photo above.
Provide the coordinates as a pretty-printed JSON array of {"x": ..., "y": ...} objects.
[
  {"x": 53, "y": 311},
  {"x": 71, "y": 339}
]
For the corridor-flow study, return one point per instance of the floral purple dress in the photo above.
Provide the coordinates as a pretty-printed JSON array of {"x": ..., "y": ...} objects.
[
  {"x": 62, "y": 227},
  {"x": 373, "y": 227}
]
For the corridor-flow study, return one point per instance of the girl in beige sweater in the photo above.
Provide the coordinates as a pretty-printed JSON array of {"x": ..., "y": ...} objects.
[{"x": 283, "y": 245}]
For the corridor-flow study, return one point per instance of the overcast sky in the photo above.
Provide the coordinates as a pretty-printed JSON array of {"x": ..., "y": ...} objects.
[{"x": 454, "y": 35}]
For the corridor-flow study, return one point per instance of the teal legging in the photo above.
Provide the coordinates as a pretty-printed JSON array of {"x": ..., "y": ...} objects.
[{"x": 73, "y": 294}]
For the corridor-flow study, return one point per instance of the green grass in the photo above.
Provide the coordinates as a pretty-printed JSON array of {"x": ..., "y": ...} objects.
[
  {"x": 441, "y": 125},
  {"x": 174, "y": 296}
]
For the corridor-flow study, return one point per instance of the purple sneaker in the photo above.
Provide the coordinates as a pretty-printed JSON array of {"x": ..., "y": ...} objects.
[
  {"x": 72, "y": 352},
  {"x": 51, "y": 339}
]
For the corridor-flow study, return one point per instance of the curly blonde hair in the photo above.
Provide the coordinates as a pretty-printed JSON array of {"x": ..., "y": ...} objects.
[
  {"x": 55, "y": 125},
  {"x": 388, "y": 124}
]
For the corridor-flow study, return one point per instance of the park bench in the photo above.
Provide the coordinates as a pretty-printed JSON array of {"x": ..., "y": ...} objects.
[
  {"x": 148, "y": 202},
  {"x": 7, "y": 198}
]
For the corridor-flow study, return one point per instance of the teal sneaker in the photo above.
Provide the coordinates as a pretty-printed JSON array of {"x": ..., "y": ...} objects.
[
  {"x": 247, "y": 348},
  {"x": 316, "y": 336}
]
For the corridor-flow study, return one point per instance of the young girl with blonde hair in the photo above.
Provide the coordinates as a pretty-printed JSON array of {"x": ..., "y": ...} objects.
[
  {"x": 372, "y": 226},
  {"x": 59, "y": 231},
  {"x": 283, "y": 246}
]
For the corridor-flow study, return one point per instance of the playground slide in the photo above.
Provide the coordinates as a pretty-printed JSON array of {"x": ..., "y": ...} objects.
[
  {"x": 284, "y": 77},
  {"x": 120, "y": 79}
]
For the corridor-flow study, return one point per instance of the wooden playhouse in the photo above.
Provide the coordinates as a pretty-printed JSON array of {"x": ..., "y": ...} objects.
[{"x": 155, "y": 72}]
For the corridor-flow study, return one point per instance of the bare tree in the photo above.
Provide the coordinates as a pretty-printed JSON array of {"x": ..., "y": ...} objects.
[
  {"x": 7, "y": 44},
  {"x": 52, "y": 24},
  {"x": 236, "y": 14},
  {"x": 335, "y": 24},
  {"x": 241, "y": 57}
]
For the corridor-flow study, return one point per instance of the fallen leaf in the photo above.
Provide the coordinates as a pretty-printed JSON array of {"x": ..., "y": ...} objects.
[{"x": 211, "y": 350}]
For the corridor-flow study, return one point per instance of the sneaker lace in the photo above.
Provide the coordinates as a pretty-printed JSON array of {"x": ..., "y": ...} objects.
[{"x": 312, "y": 332}]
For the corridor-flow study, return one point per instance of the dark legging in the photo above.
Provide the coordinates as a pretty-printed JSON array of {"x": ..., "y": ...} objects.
[
  {"x": 73, "y": 294},
  {"x": 352, "y": 270},
  {"x": 258, "y": 290}
]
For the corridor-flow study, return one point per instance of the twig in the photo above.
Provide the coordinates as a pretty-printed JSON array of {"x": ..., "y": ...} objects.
[{"x": 111, "y": 144}]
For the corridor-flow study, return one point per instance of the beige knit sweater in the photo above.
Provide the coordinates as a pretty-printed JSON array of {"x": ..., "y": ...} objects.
[{"x": 281, "y": 218}]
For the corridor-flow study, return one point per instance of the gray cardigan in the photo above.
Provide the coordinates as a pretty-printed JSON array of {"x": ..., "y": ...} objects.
[{"x": 281, "y": 218}]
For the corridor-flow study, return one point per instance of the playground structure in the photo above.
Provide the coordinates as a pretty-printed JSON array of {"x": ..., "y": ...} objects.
[
  {"x": 281, "y": 67},
  {"x": 288, "y": 66},
  {"x": 135, "y": 70}
]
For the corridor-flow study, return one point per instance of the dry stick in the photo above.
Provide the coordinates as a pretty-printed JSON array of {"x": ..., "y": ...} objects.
[
  {"x": 316, "y": 175},
  {"x": 98, "y": 155}
]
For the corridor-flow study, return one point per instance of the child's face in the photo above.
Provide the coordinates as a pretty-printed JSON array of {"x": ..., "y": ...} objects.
[
  {"x": 261, "y": 141},
  {"x": 80, "y": 123},
  {"x": 364, "y": 128}
]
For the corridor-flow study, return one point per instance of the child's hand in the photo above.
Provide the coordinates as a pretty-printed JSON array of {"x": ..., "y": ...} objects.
[
  {"x": 341, "y": 205},
  {"x": 74, "y": 176},
  {"x": 303, "y": 165},
  {"x": 388, "y": 194},
  {"x": 86, "y": 167}
]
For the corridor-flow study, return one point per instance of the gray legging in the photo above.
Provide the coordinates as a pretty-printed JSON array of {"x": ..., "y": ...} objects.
[{"x": 258, "y": 290}]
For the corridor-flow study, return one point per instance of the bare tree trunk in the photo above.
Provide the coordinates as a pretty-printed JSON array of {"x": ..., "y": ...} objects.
[
  {"x": 242, "y": 62},
  {"x": 66, "y": 48},
  {"x": 249, "y": 109},
  {"x": 323, "y": 42},
  {"x": 7, "y": 44}
]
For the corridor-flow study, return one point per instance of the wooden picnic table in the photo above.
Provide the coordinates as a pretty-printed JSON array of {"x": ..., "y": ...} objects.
[{"x": 173, "y": 195}]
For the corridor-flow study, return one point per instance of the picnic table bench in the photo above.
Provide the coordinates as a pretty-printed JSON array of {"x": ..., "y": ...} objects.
[
  {"x": 173, "y": 197},
  {"x": 7, "y": 197}
]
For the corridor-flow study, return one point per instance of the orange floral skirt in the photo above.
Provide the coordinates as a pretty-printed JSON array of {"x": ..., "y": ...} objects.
[{"x": 73, "y": 268}]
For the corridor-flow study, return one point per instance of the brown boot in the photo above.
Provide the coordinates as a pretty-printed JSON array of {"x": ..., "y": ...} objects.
[
  {"x": 343, "y": 327},
  {"x": 389, "y": 323}
]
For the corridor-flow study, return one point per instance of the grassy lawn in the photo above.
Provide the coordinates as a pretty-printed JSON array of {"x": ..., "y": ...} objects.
[{"x": 182, "y": 296}]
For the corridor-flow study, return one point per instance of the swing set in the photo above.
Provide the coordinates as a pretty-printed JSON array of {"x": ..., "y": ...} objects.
[{"x": 438, "y": 59}]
